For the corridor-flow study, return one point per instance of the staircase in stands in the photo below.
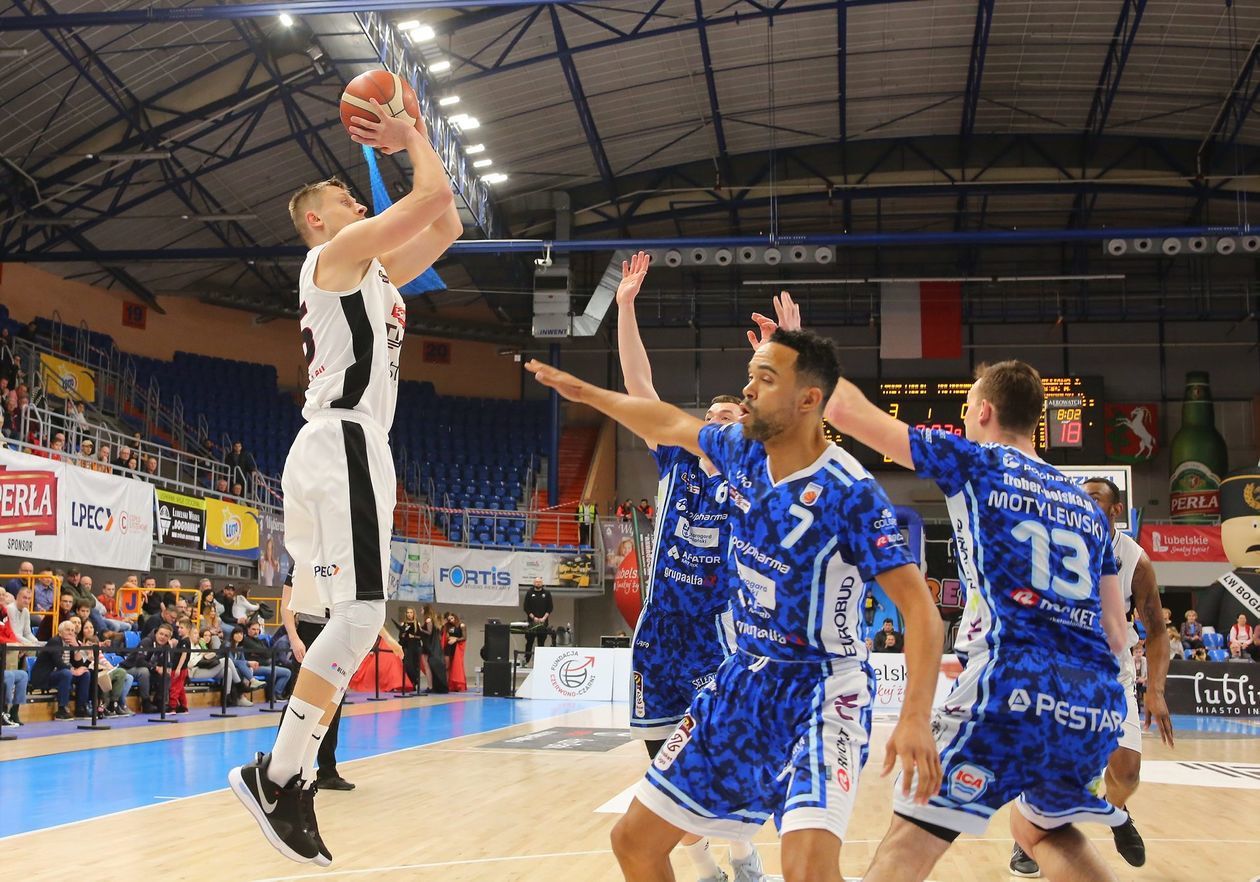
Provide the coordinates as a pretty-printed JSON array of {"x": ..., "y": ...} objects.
[{"x": 577, "y": 447}]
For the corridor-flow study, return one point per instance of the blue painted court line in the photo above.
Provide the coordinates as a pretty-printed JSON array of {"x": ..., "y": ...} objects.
[{"x": 64, "y": 788}]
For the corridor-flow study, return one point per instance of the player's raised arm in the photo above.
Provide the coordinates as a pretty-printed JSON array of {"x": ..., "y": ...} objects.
[
  {"x": 429, "y": 198},
  {"x": 635, "y": 366},
  {"x": 853, "y": 414},
  {"x": 1146, "y": 603},
  {"x": 787, "y": 315},
  {"x": 654, "y": 421},
  {"x": 912, "y": 740},
  {"x": 422, "y": 250}
]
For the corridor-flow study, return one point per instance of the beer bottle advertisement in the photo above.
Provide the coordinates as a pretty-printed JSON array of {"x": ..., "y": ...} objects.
[{"x": 1198, "y": 457}]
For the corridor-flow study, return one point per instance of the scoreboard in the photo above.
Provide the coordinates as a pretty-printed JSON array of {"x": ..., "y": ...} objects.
[{"x": 1071, "y": 429}]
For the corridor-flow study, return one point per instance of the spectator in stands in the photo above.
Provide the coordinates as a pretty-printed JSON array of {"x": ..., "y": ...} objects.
[
  {"x": 167, "y": 597},
  {"x": 881, "y": 639},
  {"x": 16, "y": 679},
  {"x": 236, "y": 652},
  {"x": 238, "y": 490},
  {"x": 1240, "y": 634},
  {"x": 103, "y": 463},
  {"x": 1199, "y": 654},
  {"x": 221, "y": 488},
  {"x": 133, "y": 463},
  {"x": 147, "y": 662},
  {"x": 107, "y": 606},
  {"x": 25, "y": 569},
  {"x": 282, "y": 646},
  {"x": 113, "y": 682},
  {"x": 19, "y": 616},
  {"x": 167, "y": 617},
  {"x": 29, "y": 332},
  {"x": 87, "y": 454},
  {"x": 646, "y": 510},
  {"x": 625, "y": 511},
  {"x": 241, "y": 465},
  {"x": 55, "y": 669},
  {"x": 123, "y": 458},
  {"x": 244, "y": 610},
  {"x": 58, "y": 446},
  {"x": 12, "y": 417},
  {"x": 45, "y": 593},
  {"x": 1252, "y": 649},
  {"x": 73, "y": 585},
  {"x": 178, "y": 698},
  {"x": 412, "y": 642},
  {"x": 210, "y": 616},
  {"x": 151, "y": 601},
  {"x": 45, "y": 630},
  {"x": 1175, "y": 647},
  {"x": 208, "y": 663},
  {"x": 586, "y": 522},
  {"x": 1141, "y": 670},
  {"x": 87, "y": 614},
  {"x": 538, "y": 608},
  {"x": 455, "y": 638},
  {"x": 225, "y": 601},
  {"x": 1192, "y": 631},
  {"x": 258, "y": 654},
  {"x": 151, "y": 467}
]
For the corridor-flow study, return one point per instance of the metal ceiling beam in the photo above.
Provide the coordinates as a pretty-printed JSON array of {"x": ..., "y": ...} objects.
[
  {"x": 1234, "y": 111},
  {"x": 725, "y": 176},
  {"x": 583, "y": 108},
  {"x": 842, "y": 90},
  {"x": 530, "y": 246},
  {"x": 971, "y": 98}
]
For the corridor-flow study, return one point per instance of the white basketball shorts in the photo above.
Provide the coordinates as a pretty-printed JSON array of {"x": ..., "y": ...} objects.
[{"x": 339, "y": 495}]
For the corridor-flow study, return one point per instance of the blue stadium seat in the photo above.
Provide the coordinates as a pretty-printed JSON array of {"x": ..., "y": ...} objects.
[{"x": 1217, "y": 655}]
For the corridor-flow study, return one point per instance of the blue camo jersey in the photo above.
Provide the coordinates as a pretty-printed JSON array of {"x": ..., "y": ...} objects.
[
  {"x": 690, "y": 533},
  {"x": 802, "y": 549},
  {"x": 1032, "y": 547}
]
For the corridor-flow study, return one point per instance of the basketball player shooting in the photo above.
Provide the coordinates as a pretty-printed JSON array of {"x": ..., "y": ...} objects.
[
  {"x": 1038, "y": 708},
  {"x": 339, "y": 483},
  {"x": 782, "y": 731}
]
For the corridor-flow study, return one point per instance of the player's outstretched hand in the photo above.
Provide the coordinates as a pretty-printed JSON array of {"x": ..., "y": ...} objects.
[
  {"x": 1157, "y": 710},
  {"x": 387, "y": 134},
  {"x": 633, "y": 272},
  {"x": 765, "y": 327},
  {"x": 913, "y": 743},
  {"x": 787, "y": 312},
  {"x": 567, "y": 385}
]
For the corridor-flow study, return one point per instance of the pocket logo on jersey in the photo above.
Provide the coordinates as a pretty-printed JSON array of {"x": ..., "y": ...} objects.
[
  {"x": 1026, "y": 597},
  {"x": 674, "y": 743},
  {"x": 968, "y": 782},
  {"x": 811, "y": 493}
]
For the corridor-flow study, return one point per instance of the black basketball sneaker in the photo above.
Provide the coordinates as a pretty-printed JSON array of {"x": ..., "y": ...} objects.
[{"x": 286, "y": 815}]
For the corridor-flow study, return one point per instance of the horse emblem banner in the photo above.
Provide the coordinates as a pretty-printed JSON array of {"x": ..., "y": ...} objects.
[{"x": 1132, "y": 432}]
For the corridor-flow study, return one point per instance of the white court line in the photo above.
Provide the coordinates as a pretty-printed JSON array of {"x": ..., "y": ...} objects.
[{"x": 174, "y": 799}]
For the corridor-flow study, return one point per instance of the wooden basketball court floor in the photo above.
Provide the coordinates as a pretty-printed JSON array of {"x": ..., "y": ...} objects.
[{"x": 149, "y": 802}]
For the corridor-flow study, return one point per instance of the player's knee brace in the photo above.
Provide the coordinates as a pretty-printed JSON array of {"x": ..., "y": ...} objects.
[{"x": 345, "y": 641}]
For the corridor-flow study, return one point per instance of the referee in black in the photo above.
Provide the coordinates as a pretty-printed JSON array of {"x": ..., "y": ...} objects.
[{"x": 302, "y": 630}]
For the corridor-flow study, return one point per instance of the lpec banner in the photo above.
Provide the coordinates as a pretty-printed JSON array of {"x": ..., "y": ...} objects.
[{"x": 57, "y": 512}]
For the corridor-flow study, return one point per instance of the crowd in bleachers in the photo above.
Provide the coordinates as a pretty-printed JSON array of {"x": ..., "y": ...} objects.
[
  {"x": 159, "y": 641},
  {"x": 1193, "y": 642}
]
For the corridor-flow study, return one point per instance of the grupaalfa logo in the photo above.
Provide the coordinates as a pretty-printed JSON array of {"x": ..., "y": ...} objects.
[
  {"x": 573, "y": 674},
  {"x": 28, "y": 502}
]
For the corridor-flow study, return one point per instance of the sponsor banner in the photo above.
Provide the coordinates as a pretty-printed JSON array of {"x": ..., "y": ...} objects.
[
  {"x": 108, "y": 519},
  {"x": 1182, "y": 543},
  {"x": 231, "y": 529},
  {"x": 411, "y": 572},
  {"x": 556, "y": 570},
  {"x": 66, "y": 379},
  {"x": 890, "y": 680},
  {"x": 1247, "y": 595},
  {"x": 273, "y": 558},
  {"x": 180, "y": 521},
  {"x": 1218, "y": 689},
  {"x": 30, "y": 506},
  {"x": 563, "y": 673},
  {"x": 1131, "y": 431},
  {"x": 475, "y": 576}
]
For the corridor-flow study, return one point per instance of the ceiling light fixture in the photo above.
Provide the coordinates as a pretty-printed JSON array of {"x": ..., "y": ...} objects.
[
  {"x": 207, "y": 218},
  {"x": 475, "y": 149},
  {"x": 467, "y": 122},
  {"x": 13, "y": 53},
  {"x": 130, "y": 157},
  {"x": 409, "y": 25},
  {"x": 448, "y": 100},
  {"x": 440, "y": 66},
  {"x": 494, "y": 178},
  {"x": 483, "y": 163},
  {"x": 286, "y": 19},
  {"x": 420, "y": 33}
]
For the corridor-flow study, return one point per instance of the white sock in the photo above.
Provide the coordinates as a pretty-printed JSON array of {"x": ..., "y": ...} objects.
[
  {"x": 301, "y": 718},
  {"x": 740, "y": 850},
  {"x": 308, "y": 758},
  {"x": 701, "y": 859}
]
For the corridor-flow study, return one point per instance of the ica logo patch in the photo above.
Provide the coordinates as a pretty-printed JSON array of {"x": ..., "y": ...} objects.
[{"x": 968, "y": 782}]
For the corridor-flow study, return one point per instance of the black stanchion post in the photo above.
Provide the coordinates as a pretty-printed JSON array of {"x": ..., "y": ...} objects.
[
  {"x": 223, "y": 692},
  {"x": 164, "y": 686},
  {"x": 376, "y": 657},
  {"x": 4, "y": 660},
  {"x": 96, "y": 669},
  {"x": 271, "y": 702}
]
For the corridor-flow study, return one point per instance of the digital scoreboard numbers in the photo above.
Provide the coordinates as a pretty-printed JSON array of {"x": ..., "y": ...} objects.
[{"x": 1071, "y": 429}]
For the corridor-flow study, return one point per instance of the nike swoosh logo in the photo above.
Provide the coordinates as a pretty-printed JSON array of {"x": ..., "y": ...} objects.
[
  {"x": 268, "y": 805},
  {"x": 298, "y": 715},
  {"x": 317, "y": 738}
]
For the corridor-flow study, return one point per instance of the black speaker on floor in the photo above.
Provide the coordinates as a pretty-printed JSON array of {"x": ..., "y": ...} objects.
[
  {"x": 498, "y": 642},
  {"x": 497, "y": 679}
]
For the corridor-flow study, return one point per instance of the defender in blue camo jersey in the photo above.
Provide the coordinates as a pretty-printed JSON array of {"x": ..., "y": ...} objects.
[
  {"x": 1037, "y": 710},
  {"x": 782, "y": 731},
  {"x": 680, "y": 637}
]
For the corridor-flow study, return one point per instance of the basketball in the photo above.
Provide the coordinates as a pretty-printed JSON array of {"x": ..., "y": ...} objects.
[{"x": 390, "y": 90}]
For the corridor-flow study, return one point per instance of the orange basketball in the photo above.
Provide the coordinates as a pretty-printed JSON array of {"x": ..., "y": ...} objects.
[{"x": 393, "y": 93}]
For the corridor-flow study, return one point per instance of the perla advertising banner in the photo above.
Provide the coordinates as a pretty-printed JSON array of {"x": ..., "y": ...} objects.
[
  {"x": 231, "y": 529},
  {"x": 108, "y": 519},
  {"x": 30, "y": 506},
  {"x": 477, "y": 577}
]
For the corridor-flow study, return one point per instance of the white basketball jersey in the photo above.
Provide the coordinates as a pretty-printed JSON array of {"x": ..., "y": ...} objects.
[
  {"x": 352, "y": 340},
  {"x": 1127, "y": 553}
]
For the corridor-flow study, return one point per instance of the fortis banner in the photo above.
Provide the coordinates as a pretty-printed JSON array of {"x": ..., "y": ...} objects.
[{"x": 475, "y": 576}]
